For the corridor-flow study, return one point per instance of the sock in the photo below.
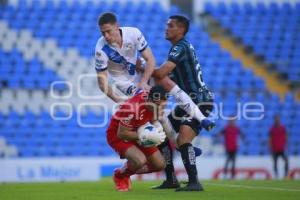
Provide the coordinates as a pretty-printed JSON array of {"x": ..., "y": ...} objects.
[
  {"x": 166, "y": 150},
  {"x": 189, "y": 161},
  {"x": 128, "y": 169},
  {"x": 186, "y": 103},
  {"x": 168, "y": 128}
]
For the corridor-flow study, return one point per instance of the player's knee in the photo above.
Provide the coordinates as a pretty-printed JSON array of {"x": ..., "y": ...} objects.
[
  {"x": 185, "y": 136},
  {"x": 181, "y": 140}
]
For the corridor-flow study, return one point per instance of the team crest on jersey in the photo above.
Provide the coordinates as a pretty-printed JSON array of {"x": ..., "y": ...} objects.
[{"x": 175, "y": 51}]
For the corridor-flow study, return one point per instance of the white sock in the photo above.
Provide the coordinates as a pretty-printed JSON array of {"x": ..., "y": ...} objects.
[
  {"x": 168, "y": 128},
  {"x": 186, "y": 103}
]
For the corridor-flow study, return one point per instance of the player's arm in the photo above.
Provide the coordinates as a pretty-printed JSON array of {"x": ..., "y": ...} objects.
[
  {"x": 149, "y": 68},
  {"x": 125, "y": 133},
  {"x": 102, "y": 77},
  {"x": 164, "y": 70},
  {"x": 101, "y": 65},
  {"x": 146, "y": 53},
  {"x": 139, "y": 66}
]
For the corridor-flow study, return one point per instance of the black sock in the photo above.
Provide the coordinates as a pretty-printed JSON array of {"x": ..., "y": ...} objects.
[
  {"x": 166, "y": 151},
  {"x": 189, "y": 161}
]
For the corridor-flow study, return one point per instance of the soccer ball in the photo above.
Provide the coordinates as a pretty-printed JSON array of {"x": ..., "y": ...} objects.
[{"x": 143, "y": 131}]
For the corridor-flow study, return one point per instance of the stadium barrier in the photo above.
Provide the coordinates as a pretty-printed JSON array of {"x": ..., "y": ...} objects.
[{"x": 93, "y": 169}]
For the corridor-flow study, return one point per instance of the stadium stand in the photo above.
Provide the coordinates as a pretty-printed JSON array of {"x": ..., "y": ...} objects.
[
  {"x": 62, "y": 39},
  {"x": 270, "y": 30}
]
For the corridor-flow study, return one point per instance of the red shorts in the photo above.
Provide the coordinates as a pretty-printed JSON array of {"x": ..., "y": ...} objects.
[{"x": 121, "y": 146}]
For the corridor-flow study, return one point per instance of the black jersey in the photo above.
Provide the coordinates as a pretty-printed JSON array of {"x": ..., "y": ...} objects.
[{"x": 187, "y": 74}]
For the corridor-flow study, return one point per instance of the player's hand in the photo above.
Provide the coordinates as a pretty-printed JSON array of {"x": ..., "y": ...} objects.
[
  {"x": 156, "y": 135},
  {"x": 158, "y": 126},
  {"x": 161, "y": 131},
  {"x": 161, "y": 135},
  {"x": 144, "y": 86}
]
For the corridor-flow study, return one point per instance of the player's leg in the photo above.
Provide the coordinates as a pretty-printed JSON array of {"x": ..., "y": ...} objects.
[
  {"x": 286, "y": 164},
  {"x": 185, "y": 102},
  {"x": 155, "y": 160},
  {"x": 275, "y": 158},
  {"x": 171, "y": 124},
  {"x": 135, "y": 160},
  {"x": 233, "y": 156},
  {"x": 226, "y": 164},
  {"x": 184, "y": 139},
  {"x": 171, "y": 180}
]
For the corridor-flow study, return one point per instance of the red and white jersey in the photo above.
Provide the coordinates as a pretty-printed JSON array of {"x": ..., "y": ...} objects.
[
  {"x": 132, "y": 114},
  {"x": 121, "y": 62}
]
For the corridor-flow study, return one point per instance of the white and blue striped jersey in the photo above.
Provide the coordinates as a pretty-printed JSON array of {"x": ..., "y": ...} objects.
[{"x": 121, "y": 62}]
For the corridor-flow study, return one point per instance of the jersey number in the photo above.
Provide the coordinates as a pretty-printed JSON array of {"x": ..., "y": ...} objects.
[{"x": 199, "y": 75}]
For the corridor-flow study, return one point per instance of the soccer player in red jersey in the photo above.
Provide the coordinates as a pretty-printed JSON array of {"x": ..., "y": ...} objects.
[
  {"x": 278, "y": 140},
  {"x": 123, "y": 136},
  {"x": 231, "y": 132}
]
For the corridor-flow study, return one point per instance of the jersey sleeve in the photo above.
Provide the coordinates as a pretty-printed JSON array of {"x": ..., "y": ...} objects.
[
  {"x": 140, "y": 40},
  {"x": 176, "y": 54},
  {"x": 101, "y": 60}
]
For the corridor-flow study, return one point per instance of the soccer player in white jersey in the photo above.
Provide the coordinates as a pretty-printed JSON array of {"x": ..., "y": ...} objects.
[
  {"x": 116, "y": 56},
  {"x": 117, "y": 53}
]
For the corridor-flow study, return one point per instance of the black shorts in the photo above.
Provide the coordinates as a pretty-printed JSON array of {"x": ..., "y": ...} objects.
[{"x": 179, "y": 117}]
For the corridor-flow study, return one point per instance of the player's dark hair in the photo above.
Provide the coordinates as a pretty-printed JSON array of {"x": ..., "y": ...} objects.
[
  {"x": 107, "y": 18},
  {"x": 185, "y": 22},
  {"x": 157, "y": 93}
]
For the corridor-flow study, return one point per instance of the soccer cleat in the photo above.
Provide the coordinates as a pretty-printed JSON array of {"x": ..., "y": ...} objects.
[
  {"x": 121, "y": 184},
  {"x": 166, "y": 185},
  {"x": 207, "y": 124},
  {"x": 127, "y": 181},
  {"x": 190, "y": 187}
]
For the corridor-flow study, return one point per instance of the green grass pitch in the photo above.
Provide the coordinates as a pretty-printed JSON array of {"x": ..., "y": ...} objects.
[{"x": 104, "y": 190}]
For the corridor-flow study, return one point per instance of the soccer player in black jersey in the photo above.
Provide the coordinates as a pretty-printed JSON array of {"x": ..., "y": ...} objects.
[{"x": 184, "y": 70}]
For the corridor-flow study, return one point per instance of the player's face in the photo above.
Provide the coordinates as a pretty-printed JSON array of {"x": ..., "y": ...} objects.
[
  {"x": 172, "y": 30},
  {"x": 110, "y": 32},
  {"x": 157, "y": 106}
]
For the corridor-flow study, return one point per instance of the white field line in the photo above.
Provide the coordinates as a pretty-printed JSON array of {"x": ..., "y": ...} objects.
[{"x": 253, "y": 187}]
